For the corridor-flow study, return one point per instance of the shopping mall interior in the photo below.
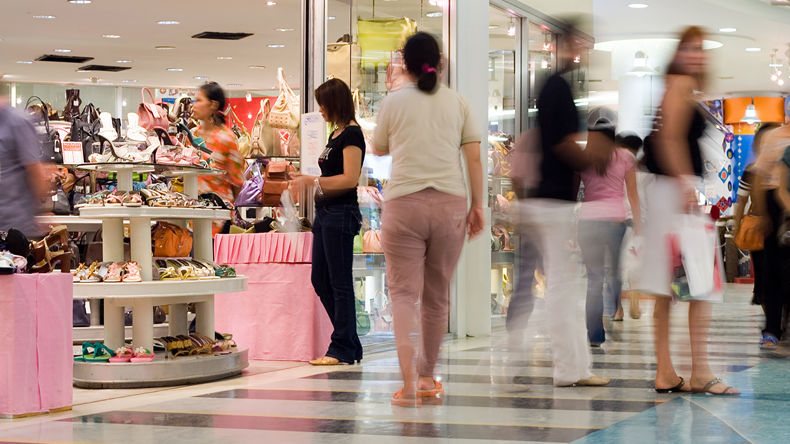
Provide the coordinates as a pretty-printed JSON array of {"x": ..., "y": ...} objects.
[{"x": 192, "y": 273}]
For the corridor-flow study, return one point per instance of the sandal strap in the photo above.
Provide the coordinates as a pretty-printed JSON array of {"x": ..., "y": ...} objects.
[{"x": 711, "y": 383}]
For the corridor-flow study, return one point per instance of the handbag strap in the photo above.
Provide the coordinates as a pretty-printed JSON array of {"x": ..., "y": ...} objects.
[
  {"x": 150, "y": 94},
  {"x": 266, "y": 107},
  {"x": 43, "y": 110}
]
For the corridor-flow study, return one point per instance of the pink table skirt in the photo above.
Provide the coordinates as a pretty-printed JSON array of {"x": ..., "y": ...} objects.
[
  {"x": 279, "y": 317},
  {"x": 263, "y": 248},
  {"x": 36, "y": 356}
]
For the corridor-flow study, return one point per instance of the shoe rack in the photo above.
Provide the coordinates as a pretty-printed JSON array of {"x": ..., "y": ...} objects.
[{"x": 143, "y": 296}]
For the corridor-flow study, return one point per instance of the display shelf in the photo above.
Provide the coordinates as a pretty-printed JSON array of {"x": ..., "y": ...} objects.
[
  {"x": 95, "y": 333},
  {"x": 161, "y": 291},
  {"x": 160, "y": 372},
  {"x": 140, "y": 167},
  {"x": 160, "y": 213},
  {"x": 503, "y": 257},
  {"x": 74, "y": 223}
]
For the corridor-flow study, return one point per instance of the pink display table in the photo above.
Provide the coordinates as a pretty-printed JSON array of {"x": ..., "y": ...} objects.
[
  {"x": 36, "y": 356},
  {"x": 279, "y": 317}
]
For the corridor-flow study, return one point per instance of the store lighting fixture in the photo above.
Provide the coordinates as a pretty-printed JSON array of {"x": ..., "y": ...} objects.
[
  {"x": 257, "y": 67},
  {"x": 175, "y": 69},
  {"x": 123, "y": 61},
  {"x": 637, "y": 5},
  {"x": 577, "y": 59},
  {"x": 168, "y": 22},
  {"x": 727, "y": 30},
  {"x": 62, "y": 51},
  {"x": 129, "y": 81},
  {"x": 111, "y": 36},
  {"x": 433, "y": 14},
  {"x": 780, "y": 82},
  {"x": 271, "y": 3},
  {"x": 224, "y": 58},
  {"x": 24, "y": 62},
  {"x": 511, "y": 28},
  {"x": 201, "y": 78},
  {"x": 44, "y": 17},
  {"x": 80, "y": 2},
  {"x": 234, "y": 85},
  {"x": 284, "y": 29},
  {"x": 750, "y": 118},
  {"x": 164, "y": 47},
  {"x": 248, "y": 97},
  {"x": 640, "y": 68},
  {"x": 753, "y": 49},
  {"x": 277, "y": 46},
  {"x": 493, "y": 26},
  {"x": 331, "y": 17}
]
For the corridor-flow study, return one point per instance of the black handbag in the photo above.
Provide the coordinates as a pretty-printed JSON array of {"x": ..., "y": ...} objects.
[
  {"x": 60, "y": 203},
  {"x": 85, "y": 129},
  {"x": 51, "y": 146}
]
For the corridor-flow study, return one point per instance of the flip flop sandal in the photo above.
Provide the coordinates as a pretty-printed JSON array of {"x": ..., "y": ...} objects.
[
  {"x": 225, "y": 271},
  {"x": 400, "y": 401},
  {"x": 710, "y": 384},
  {"x": 114, "y": 200},
  {"x": 101, "y": 353},
  {"x": 123, "y": 354},
  {"x": 142, "y": 354},
  {"x": 132, "y": 200},
  {"x": 86, "y": 346},
  {"x": 437, "y": 390},
  {"x": 327, "y": 360},
  {"x": 768, "y": 342},
  {"x": 678, "y": 388}
]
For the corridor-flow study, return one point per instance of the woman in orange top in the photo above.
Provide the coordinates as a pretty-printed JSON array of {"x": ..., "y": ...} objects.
[{"x": 208, "y": 106}]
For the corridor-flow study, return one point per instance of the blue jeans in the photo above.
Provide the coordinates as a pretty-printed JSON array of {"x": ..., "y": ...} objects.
[
  {"x": 600, "y": 242},
  {"x": 334, "y": 229}
]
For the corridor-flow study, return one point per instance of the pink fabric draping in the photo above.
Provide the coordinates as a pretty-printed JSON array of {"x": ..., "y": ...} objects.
[
  {"x": 263, "y": 248},
  {"x": 279, "y": 317},
  {"x": 36, "y": 357}
]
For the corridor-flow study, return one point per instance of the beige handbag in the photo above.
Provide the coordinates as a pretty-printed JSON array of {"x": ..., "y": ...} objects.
[
  {"x": 285, "y": 111},
  {"x": 342, "y": 62},
  {"x": 244, "y": 140},
  {"x": 263, "y": 138}
]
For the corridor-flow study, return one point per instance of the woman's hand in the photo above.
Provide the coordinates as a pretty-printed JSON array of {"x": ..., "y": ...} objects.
[
  {"x": 300, "y": 184},
  {"x": 475, "y": 221}
]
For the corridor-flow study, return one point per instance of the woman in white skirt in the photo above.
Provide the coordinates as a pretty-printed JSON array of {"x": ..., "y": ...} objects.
[{"x": 673, "y": 154}]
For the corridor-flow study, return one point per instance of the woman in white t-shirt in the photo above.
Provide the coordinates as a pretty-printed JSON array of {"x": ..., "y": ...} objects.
[{"x": 426, "y": 127}]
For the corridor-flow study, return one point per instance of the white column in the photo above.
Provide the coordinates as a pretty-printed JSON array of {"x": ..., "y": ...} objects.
[
  {"x": 468, "y": 70},
  {"x": 177, "y": 320},
  {"x": 204, "y": 322},
  {"x": 112, "y": 251},
  {"x": 143, "y": 323},
  {"x": 140, "y": 229},
  {"x": 203, "y": 244}
]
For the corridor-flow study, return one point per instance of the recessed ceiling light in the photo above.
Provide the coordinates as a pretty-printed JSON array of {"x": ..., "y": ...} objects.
[
  {"x": 168, "y": 22},
  {"x": 123, "y": 61},
  {"x": 80, "y": 2},
  {"x": 224, "y": 58},
  {"x": 637, "y": 5},
  {"x": 111, "y": 36},
  {"x": 175, "y": 69},
  {"x": 284, "y": 29},
  {"x": 201, "y": 78},
  {"x": 164, "y": 47},
  {"x": 727, "y": 29},
  {"x": 130, "y": 81},
  {"x": 433, "y": 14},
  {"x": 24, "y": 62},
  {"x": 271, "y": 3},
  {"x": 234, "y": 85},
  {"x": 331, "y": 17},
  {"x": 44, "y": 17},
  {"x": 63, "y": 51},
  {"x": 753, "y": 49},
  {"x": 257, "y": 67},
  {"x": 276, "y": 46}
]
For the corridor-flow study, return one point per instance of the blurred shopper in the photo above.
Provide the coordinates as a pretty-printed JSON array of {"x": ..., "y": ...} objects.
[
  {"x": 633, "y": 144},
  {"x": 549, "y": 213},
  {"x": 337, "y": 220},
  {"x": 23, "y": 176},
  {"x": 674, "y": 156},
  {"x": 209, "y": 109},
  {"x": 602, "y": 228},
  {"x": 425, "y": 217}
]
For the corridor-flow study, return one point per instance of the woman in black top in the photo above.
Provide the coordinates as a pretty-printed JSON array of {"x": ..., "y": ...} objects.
[{"x": 337, "y": 220}]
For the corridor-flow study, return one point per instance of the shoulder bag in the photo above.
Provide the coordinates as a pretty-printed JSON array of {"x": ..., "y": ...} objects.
[
  {"x": 263, "y": 135},
  {"x": 285, "y": 111},
  {"x": 750, "y": 236},
  {"x": 50, "y": 139},
  {"x": 250, "y": 194},
  {"x": 152, "y": 115}
]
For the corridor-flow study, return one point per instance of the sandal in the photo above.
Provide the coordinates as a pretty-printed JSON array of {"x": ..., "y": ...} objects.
[
  {"x": 131, "y": 272},
  {"x": 115, "y": 272},
  {"x": 400, "y": 401},
  {"x": 114, "y": 199},
  {"x": 328, "y": 360},
  {"x": 707, "y": 389},
  {"x": 123, "y": 354},
  {"x": 101, "y": 353},
  {"x": 678, "y": 388},
  {"x": 768, "y": 342},
  {"x": 142, "y": 354},
  {"x": 437, "y": 390},
  {"x": 132, "y": 200}
]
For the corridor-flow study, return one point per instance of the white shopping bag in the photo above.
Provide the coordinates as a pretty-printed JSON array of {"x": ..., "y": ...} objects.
[
  {"x": 697, "y": 239},
  {"x": 631, "y": 259}
]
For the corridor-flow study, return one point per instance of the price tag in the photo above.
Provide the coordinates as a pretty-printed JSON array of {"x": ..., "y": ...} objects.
[{"x": 72, "y": 153}]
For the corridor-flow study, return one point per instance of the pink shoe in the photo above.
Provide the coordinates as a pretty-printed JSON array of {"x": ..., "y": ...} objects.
[
  {"x": 132, "y": 272},
  {"x": 114, "y": 273},
  {"x": 142, "y": 355},
  {"x": 123, "y": 354}
]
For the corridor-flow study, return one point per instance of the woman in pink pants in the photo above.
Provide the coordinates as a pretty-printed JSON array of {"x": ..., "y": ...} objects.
[{"x": 426, "y": 127}]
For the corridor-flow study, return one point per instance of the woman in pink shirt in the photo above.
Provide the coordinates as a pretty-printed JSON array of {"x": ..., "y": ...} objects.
[{"x": 602, "y": 227}]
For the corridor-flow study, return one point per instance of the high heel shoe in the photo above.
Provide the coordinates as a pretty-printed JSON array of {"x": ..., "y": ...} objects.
[
  {"x": 197, "y": 142},
  {"x": 51, "y": 251}
]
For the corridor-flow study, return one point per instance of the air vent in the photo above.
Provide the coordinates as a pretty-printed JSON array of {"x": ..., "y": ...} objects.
[
  {"x": 105, "y": 68},
  {"x": 63, "y": 58},
  {"x": 222, "y": 35}
]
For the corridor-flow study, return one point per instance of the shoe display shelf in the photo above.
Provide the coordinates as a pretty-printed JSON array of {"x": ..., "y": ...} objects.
[{"x": 143, "y": 296}]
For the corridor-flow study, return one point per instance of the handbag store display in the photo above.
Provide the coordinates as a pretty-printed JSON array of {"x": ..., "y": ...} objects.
[
  {"x": 51, "y": 146},
  {"x": 85, "y": 128},
  {"x": 242, "y": 135},
  {"x": 252, "y": 189},
  {"x": 73, "y": 103},
  {"x": 276, "y": 180},
  {"x": 171, "y": 240},
  {"x": 151, "y": 115},
  {"x": 264, "y": 138},
  {"x": 379, "y": 37},
  {"x": 285, "y": 111}
]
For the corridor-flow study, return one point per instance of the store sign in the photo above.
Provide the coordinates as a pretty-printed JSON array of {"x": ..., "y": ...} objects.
[
  {"x": 72, "y": 153},
  {"x": 313, "y": 141}
]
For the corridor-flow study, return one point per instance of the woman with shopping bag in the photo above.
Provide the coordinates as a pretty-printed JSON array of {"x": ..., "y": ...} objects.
[{"x": 674, "y": 225}]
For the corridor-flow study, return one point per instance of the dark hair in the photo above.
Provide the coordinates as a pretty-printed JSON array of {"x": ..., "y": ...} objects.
[
  {"x": 630, "y": 141},
  {"x": 761, "y": 131},
  {"x": 335, "y": 97},
  {"x": 422, "y": 55},
  {"x": 215, "y": 93}
]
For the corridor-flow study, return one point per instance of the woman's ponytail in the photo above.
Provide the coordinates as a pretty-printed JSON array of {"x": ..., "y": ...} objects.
[{"x": 422, "y": 55}]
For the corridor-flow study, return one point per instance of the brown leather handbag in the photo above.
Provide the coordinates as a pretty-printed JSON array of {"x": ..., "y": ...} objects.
[
  {"x": 750, "y": 236},
  {"x": 171, "y": 240},
  {"x": 276, "y": 179}
]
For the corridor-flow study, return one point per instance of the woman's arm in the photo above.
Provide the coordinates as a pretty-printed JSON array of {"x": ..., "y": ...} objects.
[
  {"x": 352, "y": 168},
  {"x": 475, "y": 220},
  {"x": 633, "y": 199}
]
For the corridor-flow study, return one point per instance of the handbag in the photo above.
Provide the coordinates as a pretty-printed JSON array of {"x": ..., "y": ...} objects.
[
  {"x": 85, "y": 128},
  {"x": 152, "y": 115},
  {"x": 263, "y": 135},
  {"x": 285, "y": 111},
  {"x": 276, "y": 180},
  {"x": 342, "y": 62},
  {"x": 51, "y": 146},
  {"x": 379, "y": 37},
  {"x": 252, "y": 188},
  {"x": 73, "y": 103},
  {"x": 171, "y": 240},
  {"x": 371, "y": 242},
  {"x": 750, "y": 236},
  {"x": 243, "y": 138}
]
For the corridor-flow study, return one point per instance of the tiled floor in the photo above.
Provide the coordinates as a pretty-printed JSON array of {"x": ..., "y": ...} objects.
[{"x": 494, "y": 395}]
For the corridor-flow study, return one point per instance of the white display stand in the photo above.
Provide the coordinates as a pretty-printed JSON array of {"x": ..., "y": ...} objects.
[{"x": 143, "y": 296}]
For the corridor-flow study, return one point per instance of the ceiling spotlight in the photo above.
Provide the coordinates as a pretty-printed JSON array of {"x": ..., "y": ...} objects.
[
  {"x": 164, "y": 48},
  {"x": 773, "y": 77},
  {"x": 24, "y": 62},
  {"x": 80, "y": 2},
  {"x": 271, "y": 3},
  {"x": 780, "y": 82},
  {"x": 168, "y": 22},
  {"x": 175, "y": 69},
  {"x": 257, "y": 67},
  {"x": 130, "y": 81},
  {"x": 637, "y": 5},
  {"x": 63, "y": 51},
  {"x": 284, "y": 29},
  {"x": 753, "y": 49},
  {"x": 44, "y": 17},
  {"x": 224, "y": 58},
  {"x": 201, "y": 78},
  {"x": 511, "y": 28},
  {"x": 111, "y": 36},
  {"x": 331, "y": 17},
  {"x": 248, "y": 97},
  {"x": 123, "y": 61},
  {"x": 727, "y": 29},
  {"x": 277, "y": 46}
]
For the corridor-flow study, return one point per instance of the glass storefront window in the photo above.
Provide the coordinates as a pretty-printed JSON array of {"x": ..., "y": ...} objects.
[
  {"x": 542, "y": 55},
  {"x": 363, "y": 39}
]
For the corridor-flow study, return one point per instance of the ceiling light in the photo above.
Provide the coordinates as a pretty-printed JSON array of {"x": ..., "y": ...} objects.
[
  {"x": 284, "y": 29},
  {"x": 80, "y": 2},
  {"x": 111, "y": 36},
  {"x": 257, "y": 67},
  {"x": 271, "y": 3},
  {"x": 511, "y": 28},
  {"x": 433, "y": 14},
  {"x": 63, "y": 51},
  {"x": 727, "y": 29},
  {"x": 330, "y": 17},
  {"x": 774, "y": 77},
  {"x": 224, "y": 58},
  {"x": 637, "y": 5},
  {"x": 277, "y": 46},
  {"x": 248, "y": 97},
  {"x": 780, "y": 82},
  {"x": 168, "y": 22},
  {"x": 175, "y": 69},
  {"x": 234, "y": 85},
  {"x": 201, "y": 78},
  {"x": 750, "y": 117},
  {"x": 164, "y": 47},
  {"x": 44, "y": 17},
  {"x": 24, "y": 62},
  {"x": 493, "y": 26},
  {"x": 130, "y": 81},
  {"x": 123, "y": 61},
  {"x": 753, "y": 49}
]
